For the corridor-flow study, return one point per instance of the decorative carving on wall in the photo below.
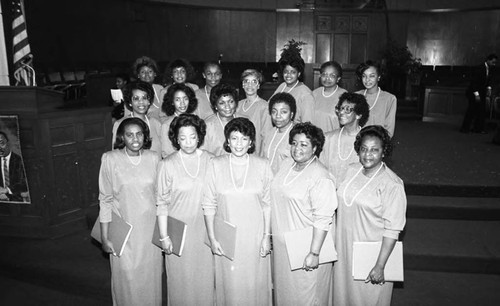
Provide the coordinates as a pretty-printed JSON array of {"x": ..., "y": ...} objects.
[
  {"x": 359, "y": 24},
  {"x": 342, "y": 24},
  {"x": 324, "y": 23}
]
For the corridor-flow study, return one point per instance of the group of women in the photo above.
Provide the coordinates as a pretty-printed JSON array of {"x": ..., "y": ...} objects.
[{"x": 302, "y": 160}]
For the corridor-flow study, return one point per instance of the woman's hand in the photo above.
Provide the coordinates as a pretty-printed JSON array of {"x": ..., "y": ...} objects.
[
  {"x": 216, "y": 247},
  {"x": 107, "y": 247},
  {"x": 265, "y": 245},
  {"x": 376, "y": 276},
  {"x": 311, "y": 262},
  {"x": 167, "y": 246}
]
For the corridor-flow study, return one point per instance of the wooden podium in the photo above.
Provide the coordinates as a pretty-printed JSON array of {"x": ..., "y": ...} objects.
[{"x": 62, "y": 150}]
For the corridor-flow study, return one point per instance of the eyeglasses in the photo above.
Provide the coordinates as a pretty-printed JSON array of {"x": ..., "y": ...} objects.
[
  {"x": 346, "y": 109},
  {"x": 138, "y": 98},
  {"x": 328, "y": 76},
  {"x": 252, "y": 82}
]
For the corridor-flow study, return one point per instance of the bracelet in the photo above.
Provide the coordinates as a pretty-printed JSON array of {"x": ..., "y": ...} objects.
[
  {"x": 314, "y": 254},
  {"x": 164, "y": 238},
  {"x": 267, "y": 234}
]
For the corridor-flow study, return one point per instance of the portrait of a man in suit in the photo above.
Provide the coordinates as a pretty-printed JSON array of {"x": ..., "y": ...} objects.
[{"x": 13, "y": 185}]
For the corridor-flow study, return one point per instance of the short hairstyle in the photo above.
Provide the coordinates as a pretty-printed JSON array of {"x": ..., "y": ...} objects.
[
  {"x": 245, "y": 127},
  {"x": 187, "y": 120},
  {"x": 4, "y": 135},
  {"x": 209, "y": 64},
  {"x": 491, "y": 57},
  {"x": 222, "y": 90},
  {"x": 168, "y": 106},
  {"x": 375, "y": 131},
  {"x": 180, "y": 62},
  {"x": 361, "y": 107},
  {"x": 120, "y": 132},
  {"x": 312, "y": 132},
  {"x": 364, "y": 66},
  {"x": 283, "y": 97},
  {"x": 294, "y": 61},
  {"x": 254, "y": 73},
  {"x": 137, "y": 85},
  {"x": 124, "y": 76},
  {"x": 333, "y": 64},
  {"x": 144, "y": 61}
]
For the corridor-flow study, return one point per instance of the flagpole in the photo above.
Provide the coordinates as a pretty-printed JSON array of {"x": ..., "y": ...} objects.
[{"x": 4, "y": 68}]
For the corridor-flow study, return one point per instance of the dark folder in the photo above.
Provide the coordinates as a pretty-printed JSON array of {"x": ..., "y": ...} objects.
[{"x": 176, "y": 229}]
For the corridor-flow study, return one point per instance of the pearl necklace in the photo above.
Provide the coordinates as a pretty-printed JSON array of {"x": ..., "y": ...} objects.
[
  {"x": 156, "y": 97},
  {"x": 282, "y": 90},
  {"x": 206, "y": 93},
  {"x": 298, "y": 174},
  {"x": 232, "y": 175},
  {"x": 130, "y": 159},
  {"x": 376, "y": 99},
  {"x": 323, "y": 92},
  {"x": 278, "y": 144},
  {"x": 362, "y": 188},
  {"x": 253, "y": 102},
  {"x": 184, "y": 165},
  {"x": 145, "y": 117},
  {"x": 338, "y": 146}
]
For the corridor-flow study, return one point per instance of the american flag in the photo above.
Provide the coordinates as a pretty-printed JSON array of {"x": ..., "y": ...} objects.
[{"x": 23, "y": 70}]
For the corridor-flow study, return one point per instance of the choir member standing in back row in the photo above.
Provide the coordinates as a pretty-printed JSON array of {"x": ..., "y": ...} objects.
[
  {"x": 127, "y": 187},
  {"x": 327, "y": 96},
  {"x": 181, "y": 179},
  {"x": 338, "y": 153},
  {"x": 237, "y": 190},
  {"x": 146, "y": 69},
  {"x": 179, "y": 71},
  {"x": 212, "y": 74},
  {"x": 382, "y": 104}
]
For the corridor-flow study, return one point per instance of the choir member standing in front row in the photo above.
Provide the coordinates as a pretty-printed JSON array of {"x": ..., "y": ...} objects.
[
  {"x": 237, "y": 190},
  {"x": 302, "y": 195},
  {"x": 127, "y": 187},
  {"x": 181, "y": 179},
  {"x": 372, "y": 208}
]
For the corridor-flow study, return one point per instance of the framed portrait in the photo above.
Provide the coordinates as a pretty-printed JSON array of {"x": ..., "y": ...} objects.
[{"x": 13, "y": 182}]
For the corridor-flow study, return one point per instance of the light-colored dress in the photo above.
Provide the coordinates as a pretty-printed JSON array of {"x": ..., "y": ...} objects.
[
  {"x": 190, "y": 278},
  {"x": 204, "y": 108},
  {"x": 325, "y": 116},
  {"x": 308, "y": 200},
  {"x": 304, "y": 100},
  {"x": 166, "y": 145},
  {"x": 337, "y": 162},
  {"x": 247, "y": 279},
  {"x": 155, "y": 110},
  {"x": 383, "y": 112},
  {"x": 154, "y": 132},
  {"x": 130, "y": 192},
  {"x": 258, "y": 113},
  {"x": 214, "y": 139},
  {"x": 275, "y": 147},
  {"x": 378, "y": 211}
]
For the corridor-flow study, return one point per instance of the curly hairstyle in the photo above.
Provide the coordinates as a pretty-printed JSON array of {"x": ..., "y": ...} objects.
[
  {"x": 361, "y": 107},
  {"x": 254, "y": 73},
  {"x": 187, "y": 120},
  {"x": 209, "y": 64},
  {"x": 245, "y": 127},
  {"x": 168, "y": 106},
  {"x": 177, "y": 63},
  {"x": 120, "y": 132},
  {"x": 312, "y": 132},
  {"x": 364, "y": 66},
  {"x": 375, "y": 131},
  {"x": 294, "y": 61},
  {"x": 283, "y": 97},
  {"x": 333, "y": 64},
  {"x": 221, "y": 90},
  {"x": 138, "y": 85},
  {"x": 144, "y": 61}
]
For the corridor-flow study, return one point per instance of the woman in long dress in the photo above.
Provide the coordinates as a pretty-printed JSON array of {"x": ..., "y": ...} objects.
[
  {"x": 237, "y": 191},
  {"x": 254, "y": 107},
  {"x": 292, "y": 70},
  {"x": 224, "y": 104},
  {"x": 138, "y": 98},
  {"x": 382, "y": 103},
  {"x": 127, "y": 187},
  {"x": 146, "y": 70},
  {"x": 302, "y": 195},
  {"x": 372, "y": 208},
  {"x": 212, "y": 73},
  {"x": 275, "y": 145},
  {"x": 327, "y": 96},
  {"x": 181, "y": 177},
  {"x": 338, "y": 153},
  {"x": 179, "y": 99}
]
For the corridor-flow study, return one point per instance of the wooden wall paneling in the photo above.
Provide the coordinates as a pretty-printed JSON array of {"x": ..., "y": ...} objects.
[
  {"x": 358, "y": 48},
  {"x": 341, "y": 45},
  {"x": 287, "y": 28},
  {"x": 323, "y": 47}
]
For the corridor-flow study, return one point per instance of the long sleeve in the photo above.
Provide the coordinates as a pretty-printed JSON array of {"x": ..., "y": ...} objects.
[
  {"x": 305, "y": 105},
  {"x": 323, "y": 202},
  {"x": 105, "y": 189},
  {"x": 166, "y": 144},
  {"x": 209, "y": 202},
  {"x": 390, "y": 118},
  {"x": 164, "y": 189},
  {"x": 394, "y": 214},
  {"x": 266, "y": 192}
]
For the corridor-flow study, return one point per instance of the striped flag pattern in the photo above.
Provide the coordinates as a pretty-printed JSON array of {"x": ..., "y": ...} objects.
[{"x": 23, "y": 72}]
